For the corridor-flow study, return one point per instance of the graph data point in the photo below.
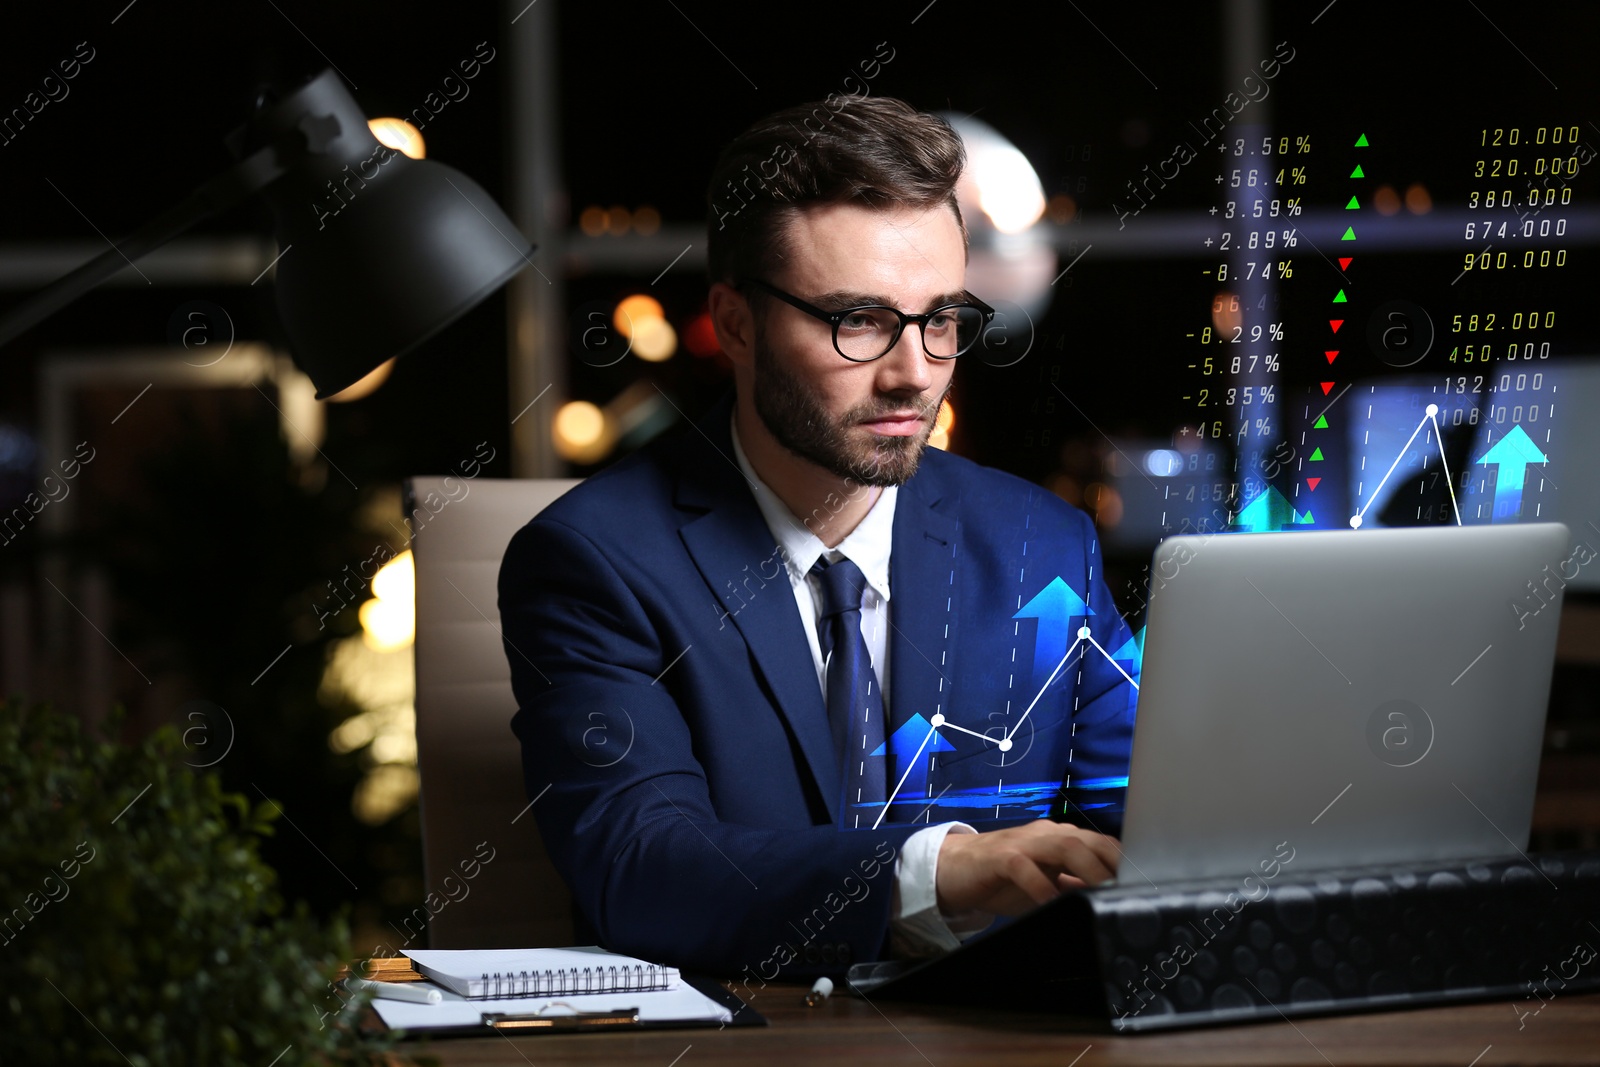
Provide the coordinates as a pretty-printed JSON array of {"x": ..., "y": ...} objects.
[
  {"x": 1004, "y": 745},
  {"x": 937, "y": 721},
  {"x": 1355, "y": 522},
  {"x": 1433, "y": 409},
  {"x": 1083, "y": 632}
]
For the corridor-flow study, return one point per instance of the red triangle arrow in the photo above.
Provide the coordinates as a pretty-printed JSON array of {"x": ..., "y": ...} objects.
[
  {"x": 1332, "y": 355},
  {"x": 1327, "y": 387},
  {"x": 1345, "y": 261},
  {"x": 1336, "y": 323},
  {"x": 1312, "y": 482}
]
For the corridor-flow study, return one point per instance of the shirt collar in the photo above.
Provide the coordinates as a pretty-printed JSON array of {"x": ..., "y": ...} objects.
[{"x": 867, "y": 546}]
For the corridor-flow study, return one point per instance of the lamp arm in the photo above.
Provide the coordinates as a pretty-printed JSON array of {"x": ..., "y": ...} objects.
[{"x": 249, "y": 175}]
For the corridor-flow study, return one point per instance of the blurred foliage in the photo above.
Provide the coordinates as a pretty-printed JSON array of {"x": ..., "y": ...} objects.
[
  {"x": 219, "y": 557},
  {"x": 140, "y": 925}
]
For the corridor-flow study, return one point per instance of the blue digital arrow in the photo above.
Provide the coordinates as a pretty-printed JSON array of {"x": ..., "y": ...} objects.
[
  {"x": 1269, "y": 511},
  {"x": 1055, "y": 606},
  {"x": 905, "y": 744},
  {"x": 1512, "y": 453},
  {"x": 1132, "y": 650}
]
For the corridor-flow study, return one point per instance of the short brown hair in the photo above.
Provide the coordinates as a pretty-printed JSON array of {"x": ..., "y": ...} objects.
[{"x": 876, "y": 151}]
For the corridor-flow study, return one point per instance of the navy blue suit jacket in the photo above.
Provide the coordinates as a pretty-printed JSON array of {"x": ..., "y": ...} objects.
[{"x": 675, "y": 735}]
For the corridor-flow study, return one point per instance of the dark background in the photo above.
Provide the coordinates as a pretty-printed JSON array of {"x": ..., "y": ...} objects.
[{"x": 215, "y": 553}]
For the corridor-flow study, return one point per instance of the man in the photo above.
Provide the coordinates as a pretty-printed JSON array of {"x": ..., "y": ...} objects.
[{"x": 762, "y": 663}]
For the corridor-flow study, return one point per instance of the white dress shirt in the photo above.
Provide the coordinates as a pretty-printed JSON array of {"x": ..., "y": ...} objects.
[{"x": 917, "y": 927}]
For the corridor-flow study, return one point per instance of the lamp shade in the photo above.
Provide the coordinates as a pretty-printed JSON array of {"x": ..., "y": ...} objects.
[{"x": 377, "y": 251}]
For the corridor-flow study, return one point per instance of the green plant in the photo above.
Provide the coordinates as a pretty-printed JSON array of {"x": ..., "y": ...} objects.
[{"x": 139, "y": 926}]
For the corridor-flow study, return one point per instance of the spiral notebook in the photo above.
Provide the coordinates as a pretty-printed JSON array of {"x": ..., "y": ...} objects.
[{"x": 527, "y": 972}]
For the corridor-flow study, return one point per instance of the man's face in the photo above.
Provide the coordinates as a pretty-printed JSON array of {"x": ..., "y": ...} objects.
[{"x": 868, "y": 422}]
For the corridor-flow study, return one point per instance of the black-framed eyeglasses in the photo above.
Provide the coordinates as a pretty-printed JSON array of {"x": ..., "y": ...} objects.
[{"x": 865, "y": 333}]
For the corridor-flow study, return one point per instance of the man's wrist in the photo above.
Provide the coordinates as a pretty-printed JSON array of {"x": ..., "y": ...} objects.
[{"x": 917, "y": 926}]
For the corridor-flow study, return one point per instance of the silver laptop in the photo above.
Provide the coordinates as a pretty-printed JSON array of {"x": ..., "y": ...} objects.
[{"x": 1331, "y": 699}]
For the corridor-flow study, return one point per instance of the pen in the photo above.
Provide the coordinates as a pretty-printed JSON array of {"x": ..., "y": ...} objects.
[
  {"x": 580, "y": 1020},
  {"x": 819, "y": 992},
  {"x": 397, "y": 990}
]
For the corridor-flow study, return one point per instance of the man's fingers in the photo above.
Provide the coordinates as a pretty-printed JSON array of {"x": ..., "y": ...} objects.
[
  {"x": 1090, "y": 857},
  {"x": 1107, "y": 849},
  {"x": 1024, "y": 873},
  {"x": 1007, "y": 871},
  {"x": 1085, "y": 863}
]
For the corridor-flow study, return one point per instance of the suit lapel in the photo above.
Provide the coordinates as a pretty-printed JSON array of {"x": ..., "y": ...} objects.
[
  {"x": 730, "y": 543},
  {"x": 920, "y": 566}
]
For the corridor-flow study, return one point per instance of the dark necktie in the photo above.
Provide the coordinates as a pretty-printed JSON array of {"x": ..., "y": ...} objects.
[{"x": 855, "y": 703}]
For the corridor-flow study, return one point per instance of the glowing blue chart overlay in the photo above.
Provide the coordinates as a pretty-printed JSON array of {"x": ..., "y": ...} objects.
[{"x": 1063, "y": 637}]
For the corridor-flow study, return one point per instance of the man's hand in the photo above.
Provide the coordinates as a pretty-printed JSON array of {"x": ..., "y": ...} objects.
[{"x": 1008, "y": 872}]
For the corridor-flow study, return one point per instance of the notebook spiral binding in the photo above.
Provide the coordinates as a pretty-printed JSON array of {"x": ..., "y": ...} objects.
[{"x": 573, "y": 980}]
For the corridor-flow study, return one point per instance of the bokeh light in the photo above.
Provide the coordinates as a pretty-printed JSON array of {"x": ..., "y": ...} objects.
[
  {"x": 634, "y": 312},
  {"x": 654, "y": 340},
  {"x": 580, "y": 432},
  {"x": 389, "y": 620},
  {"x": 942, "y": 425}
]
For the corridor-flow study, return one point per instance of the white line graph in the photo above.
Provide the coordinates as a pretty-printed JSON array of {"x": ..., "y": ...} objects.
[
  {"x": 1004, "y": 744},
  {"x": 1431, "y": 415}
]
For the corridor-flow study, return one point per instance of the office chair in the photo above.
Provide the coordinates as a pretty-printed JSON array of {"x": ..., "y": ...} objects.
[{"x": 488, "y": 879}]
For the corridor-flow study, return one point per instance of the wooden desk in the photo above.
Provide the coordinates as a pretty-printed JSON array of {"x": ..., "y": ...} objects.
[{"x": 848, "y": 1030}]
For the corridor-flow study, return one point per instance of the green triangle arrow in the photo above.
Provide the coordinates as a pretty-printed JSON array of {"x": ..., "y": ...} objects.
[
  {"x": 1316, "y": 457},
  {"x": 1357, "y": 173},
  {"x": 1341, "y": 299},
  {"x": 1353, "y": 205},
  {"x": 1320, "y": 424},
  {"x": 1305, "y": 519},
  {"x": 1361, "y": 142},
  {"x": 1268, "y": 511},
  {"x": 1349, "y": 234}
]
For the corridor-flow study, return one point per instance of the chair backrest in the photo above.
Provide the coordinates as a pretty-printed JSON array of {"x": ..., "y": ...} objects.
[{"x": 473, "y": 798}]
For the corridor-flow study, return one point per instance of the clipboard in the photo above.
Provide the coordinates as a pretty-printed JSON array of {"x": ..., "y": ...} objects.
[{"x": 513, "y": 1024}]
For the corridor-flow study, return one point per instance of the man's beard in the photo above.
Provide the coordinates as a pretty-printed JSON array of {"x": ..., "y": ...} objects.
[{"x": 794, "y": 414}]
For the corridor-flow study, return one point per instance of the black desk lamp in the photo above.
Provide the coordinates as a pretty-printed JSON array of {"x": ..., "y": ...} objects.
[{"x": 380, "y": 251}]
